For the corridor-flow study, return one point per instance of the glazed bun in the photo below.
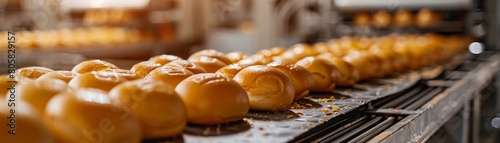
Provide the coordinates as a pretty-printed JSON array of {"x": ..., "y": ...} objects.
[
  {"x": 427, "y": 18},
  {"x": 164, "y": 59},
  {"x": 213, "y": 99},
  {"x": 171, "y": 75},
  {"x": 144, "y": 68},
  {"x": 100, "y": 80},
  {"x": 301, "y": 78},
  {"x": 230, "y": 70},
  {"x": 361, "y": 62},
  {"x": 28, "y": 126},
  {"x": 322, "y": 72},
  {"x": 65, "y": 76},
  {"x": 39, "y": 92},
  {"x": 349, "y": 75},
  {"x": 127, "y": 74},
  {"x": 93, "y": 65},
  {"x": 212, "y": 53},
  {"x": 159, "y": 109},
  {"x": 90, "y": 115},
  {"x": 194, "y": 68},
  {"x": 268, "y": 88},
  {"x": 210, "y": 64},
  {"x": 234, "y": 57},
  {"x": 276, "y": 51},
  {"x": 28, "y": 74}
]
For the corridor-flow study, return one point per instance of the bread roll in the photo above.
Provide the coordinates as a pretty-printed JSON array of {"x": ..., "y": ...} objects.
[
  {"x": 99, "y": 80},
  {"x": 303, "y": 50},
  {"x": 144, "y": 68},
  {"x": 322, "y": 72},
  {"x": 127, "y": 74},
  {"x": 301, "y": 78},
  {"x": 361, "y": 62},
  {"x": 276, "y": 51},
  {"x": 171, "y": 75},
  {"x": 349, "y": 75},
  {"x": 164, "y": 59},
  {"x": 210, "y": 64},
  {"x": 230, "y": 70},
  {"x": 427, "y": 18},
  {"x": 403, "y": 18},
  {"x": 93, "y": 65},
  {"x": 90, "y": 115},
  {"x": 158, "y": 108},
  {"x": 268, "y": 88},
  {"x": 382, "y": 19},
  {"x": 28, "y": 74},
  {"x": 213, "y": 99},
  {"x": 212, "y": 53},
  {"x": 65, "y": 76},
  {"x": 39, "y": 92},
  {"x": 255, "y": 60},
  {"x": 28, "y": 126},
  {"x": 194, "y": 68},
  {"x": 234, "y": 57},
  {"x": 362, "y": 19}
]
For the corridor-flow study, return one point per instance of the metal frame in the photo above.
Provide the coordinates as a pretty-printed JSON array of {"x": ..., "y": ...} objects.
[{"x": 434, "y": 114}]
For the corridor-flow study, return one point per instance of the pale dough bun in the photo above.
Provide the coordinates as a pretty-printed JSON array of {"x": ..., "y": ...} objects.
[
  {"x": 158, "y": 108},
  {"x": 268, "y": 88},
  {"x": 213, "y": 99}
]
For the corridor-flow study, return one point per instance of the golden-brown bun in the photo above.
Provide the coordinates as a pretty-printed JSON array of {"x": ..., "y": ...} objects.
[
  {"x": 234, "y": 57},
  {"x": 65, "y": 76},
  {"x": 403, "y": 18},
  {"x": 212, "y": 53},
  {"x": 164, "y": 59},
  {"x": 93, "y": 65},
  {"x": 144, "y": 68},
  {"x": 257, "y": 59},
  {"x": 5, "y": 84},
  {"x": 321, "y": 47},
  {"x": 28, "y": 126},
  {"x": 336, "y": 49},
  {"x": 230, "y": 70},
  {"x": 159, "y": 109},
  {"x": 101, "y": 80},
  {"x": 90, "y": 115},
  {"x": 210, "y": 64},
  {"x": 39, "y": 92},
  {"x": 301, "y": 78},
  {"x": 349, "y": 75},
  {"x": 268, "y": 88},
  {"x": 362, "y": 19},
  {"x": 127, "y": 74},
  {"x": 194, "y": 68},
  {"x": 361, "y": 62},
  {"x": 322, "y": 71},
  {"x": 382, "y": 19},
  {"x": 284, "y": 60},
  {"x": 171, "y": 75},
  {"x": 28, "y": 74},
  {"x": 303, "y": 50},
  {"x": 212, "y": 99},
  {"x": 251, "y": 61},
  {"x": 427, "y": 18},
  {"x": 276, "y": 51}
]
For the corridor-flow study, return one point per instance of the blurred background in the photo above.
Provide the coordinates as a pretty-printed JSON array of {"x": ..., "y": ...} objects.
[{"x": 127, "y": 31}]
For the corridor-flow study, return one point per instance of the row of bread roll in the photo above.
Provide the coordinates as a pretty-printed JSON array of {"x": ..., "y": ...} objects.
[
  {"x": 78, "y": 37},
  {"x": 401, "y": 18}
]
